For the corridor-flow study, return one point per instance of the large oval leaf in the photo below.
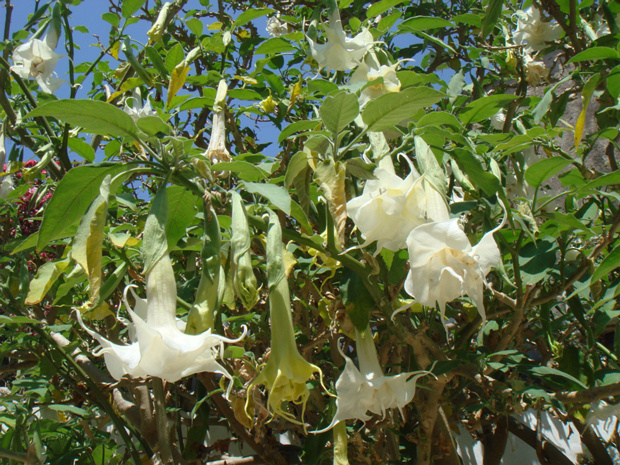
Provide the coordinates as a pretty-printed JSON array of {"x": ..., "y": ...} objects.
[
  {"x": 71, "y": 199},
  {"x": 390, "y": 109},
  {"x": 91, "y": 115},
  {"x": 339, "y": 110}
]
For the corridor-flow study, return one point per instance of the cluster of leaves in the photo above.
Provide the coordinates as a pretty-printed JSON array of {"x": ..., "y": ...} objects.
[{"x": 548, "y": 170}]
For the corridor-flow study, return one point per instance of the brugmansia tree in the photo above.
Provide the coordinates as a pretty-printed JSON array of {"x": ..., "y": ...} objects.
[{"x": 364, "y": 232}]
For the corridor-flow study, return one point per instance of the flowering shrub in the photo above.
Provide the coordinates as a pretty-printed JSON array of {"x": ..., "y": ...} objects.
[{"x": 357, "y": 233}]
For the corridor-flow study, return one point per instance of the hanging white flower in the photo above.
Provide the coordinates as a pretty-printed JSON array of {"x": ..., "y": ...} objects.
[
  {"x": 367, "y": 389},
  {"x": 36, "y": 59},
  {"x": 444, "y": 265},
  {"x": 6, "y": 183},
  {"x": 390, "y": 207},
  {"x": 217, "y": 151},
  {"x": 159, "y": 348},
  {"x": 498, "y": 120},
  {"x": 535, "y": 71},
  {"x": 138, "y": 109},
  {"x": 6, "y": 186},
  {"x": 276, "y": 28},
  {"x": 340, "y": 53},
  {"x": 533, "y": 32},
  {"x": 386, "y": 78},
  {"x": 603, "y": 416}
]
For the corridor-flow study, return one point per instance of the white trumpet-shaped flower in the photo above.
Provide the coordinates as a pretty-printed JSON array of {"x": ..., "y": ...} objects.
[
  {"x": 382, "y": 79},
  {"x": 390, "y": 207},
  {"x": 444, "y": 265},
  {"x": 159, "y": 348},
  {"x": 535, "y": 71},
  {"x": 366, "y": 391},
  {"x": 340, "y": 53},
  {"x": 217, "y": 151},
  {"x": 275, "y": 27},
  {"x": 36, "y": 59},
  {"x": 138, "y": 108},
  {"x": 533, "y": 32}
]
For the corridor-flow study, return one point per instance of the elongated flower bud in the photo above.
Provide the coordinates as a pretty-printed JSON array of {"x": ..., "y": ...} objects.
[
  {"x": 244, "y": 281},
  {"x": 157, "y": 30},
  {"x": 203, "y": 314}
]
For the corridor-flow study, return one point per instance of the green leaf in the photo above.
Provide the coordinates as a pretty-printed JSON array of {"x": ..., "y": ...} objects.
[
  {"x": 153, "y": 125},
  {"x": 112, "y": 281},
  {"x": 82, "y": 148},
  {"x": 111, "y": 18},
  {"x": 542, "y": 170},
  {"x": 474, "y": 169},
  {"x": 273, "y": 46},
  {"x": 436, "y": 40},
  {"x": 381, "y": 7},
  {"x": 44, "y": 280},
  {"x": 72, "y": 197},
  {"x": 360, "y": 169},
  {"x": 87, "y": 245},
  {"x": 18, "y": 320},
  {"x": 485, "y": 107},
  {"x": 156, "y": 61},
  {"x": 277, "y": 195},
  {"x": 440, "y": 118},
  {"x": 68, "y": 408},
  {"x": 195, "y": 25},
  {"x": 174, "y": 57},
  {"x": 424, "y": 23},
  {"x": 388, "y": 110},
  {"x": 245, "y": 170},
  {"x": 297, "y": 126},
  {"x": 537, "y": 259},
  {"x": 595, "y": 53},
  {"x": 356, "y": 298},
  {"x": 250, "y": 15},
  {"x": 492, "y": 14},
  {"x": 429, "y": 166},
  {"x": 154, "y": 244},
  {"x": 339, "y": 110},
  {"x": 608, "y": 179},
  {"x": 200, "y": 102},
  {"x": 130, "y": 7},
  {"x": 610, "y": 263},
  {"x": 91, "y": 115},
  {"x": 181, "y": 212},
  {"x": 543, "y": 372},
  {"x": 545, "y": 103}
]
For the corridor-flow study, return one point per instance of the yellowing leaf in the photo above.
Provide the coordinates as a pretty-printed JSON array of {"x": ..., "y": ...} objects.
[
  {"x": 246, "y": 79},
  {"x": 330, "y": 177},
  {"x": 340, "y": 444},
  {"x": 115, "y": 49},
  {"x": 243, "y": 33},
  {"x": 586, "y": 95},
  {"x": 177, "y": 79},
  {"x": 87, "y": 245},
  {"x": 216, "y": 26},
  {"x": 45, "y": 279},
  {"x": 98, "y": 313},
  {"x": 121, "y": 240},
  {"x": 268, "y": 105},
  {"x": 295, "y": 93}
]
